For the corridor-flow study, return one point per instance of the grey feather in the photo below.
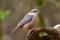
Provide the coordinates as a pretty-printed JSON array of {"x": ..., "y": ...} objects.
[{"x": 26, "y": 19}]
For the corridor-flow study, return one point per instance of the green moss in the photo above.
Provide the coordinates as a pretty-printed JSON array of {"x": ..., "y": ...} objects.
[{"x": 42, "y": 34}]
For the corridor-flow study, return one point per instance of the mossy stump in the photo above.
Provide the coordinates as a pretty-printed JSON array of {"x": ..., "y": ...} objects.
[{"x": 52, "y": 34}]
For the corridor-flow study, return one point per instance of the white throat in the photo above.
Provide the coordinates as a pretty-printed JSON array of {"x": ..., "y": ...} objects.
[{"x": 32, "y": 14}]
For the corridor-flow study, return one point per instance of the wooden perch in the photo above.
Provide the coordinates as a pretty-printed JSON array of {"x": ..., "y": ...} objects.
[{"x": 52, "y": 34}]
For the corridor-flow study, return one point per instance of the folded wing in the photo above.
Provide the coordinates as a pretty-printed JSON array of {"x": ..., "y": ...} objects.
[{"x": 27, "y": 18}]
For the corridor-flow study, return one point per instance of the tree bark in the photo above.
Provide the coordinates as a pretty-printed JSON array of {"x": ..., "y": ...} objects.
[{"x": 51, "y": 34}]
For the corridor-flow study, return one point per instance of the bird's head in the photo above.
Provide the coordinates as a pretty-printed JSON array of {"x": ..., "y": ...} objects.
[{"x": 34, "y": 11}]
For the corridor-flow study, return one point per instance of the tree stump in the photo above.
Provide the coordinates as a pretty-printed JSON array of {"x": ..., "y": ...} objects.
[{"x": 51, "y": 34}]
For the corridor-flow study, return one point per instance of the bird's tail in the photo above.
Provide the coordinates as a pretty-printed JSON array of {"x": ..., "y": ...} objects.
[{"x": 14, "y": 30}]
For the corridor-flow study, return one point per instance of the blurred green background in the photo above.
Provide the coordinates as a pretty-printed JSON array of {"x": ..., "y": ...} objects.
[{"x": 12, "y": 11}]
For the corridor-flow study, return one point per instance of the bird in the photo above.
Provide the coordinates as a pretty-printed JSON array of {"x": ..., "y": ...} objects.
[{"x": 29, "y": 21}]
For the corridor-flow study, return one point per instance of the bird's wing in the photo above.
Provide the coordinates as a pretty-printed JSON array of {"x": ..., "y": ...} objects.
[{"x": 25, "y": 20}]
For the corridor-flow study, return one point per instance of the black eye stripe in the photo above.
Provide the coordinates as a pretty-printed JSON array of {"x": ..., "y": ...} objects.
[{"x": 33, "y": 11}]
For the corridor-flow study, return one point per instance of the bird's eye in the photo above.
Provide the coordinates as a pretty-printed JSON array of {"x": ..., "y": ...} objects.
[{"x": 34, "y": 11}]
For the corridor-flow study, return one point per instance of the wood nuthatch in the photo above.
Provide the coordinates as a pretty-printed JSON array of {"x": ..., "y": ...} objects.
[{"x": 29, "y": 21}]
